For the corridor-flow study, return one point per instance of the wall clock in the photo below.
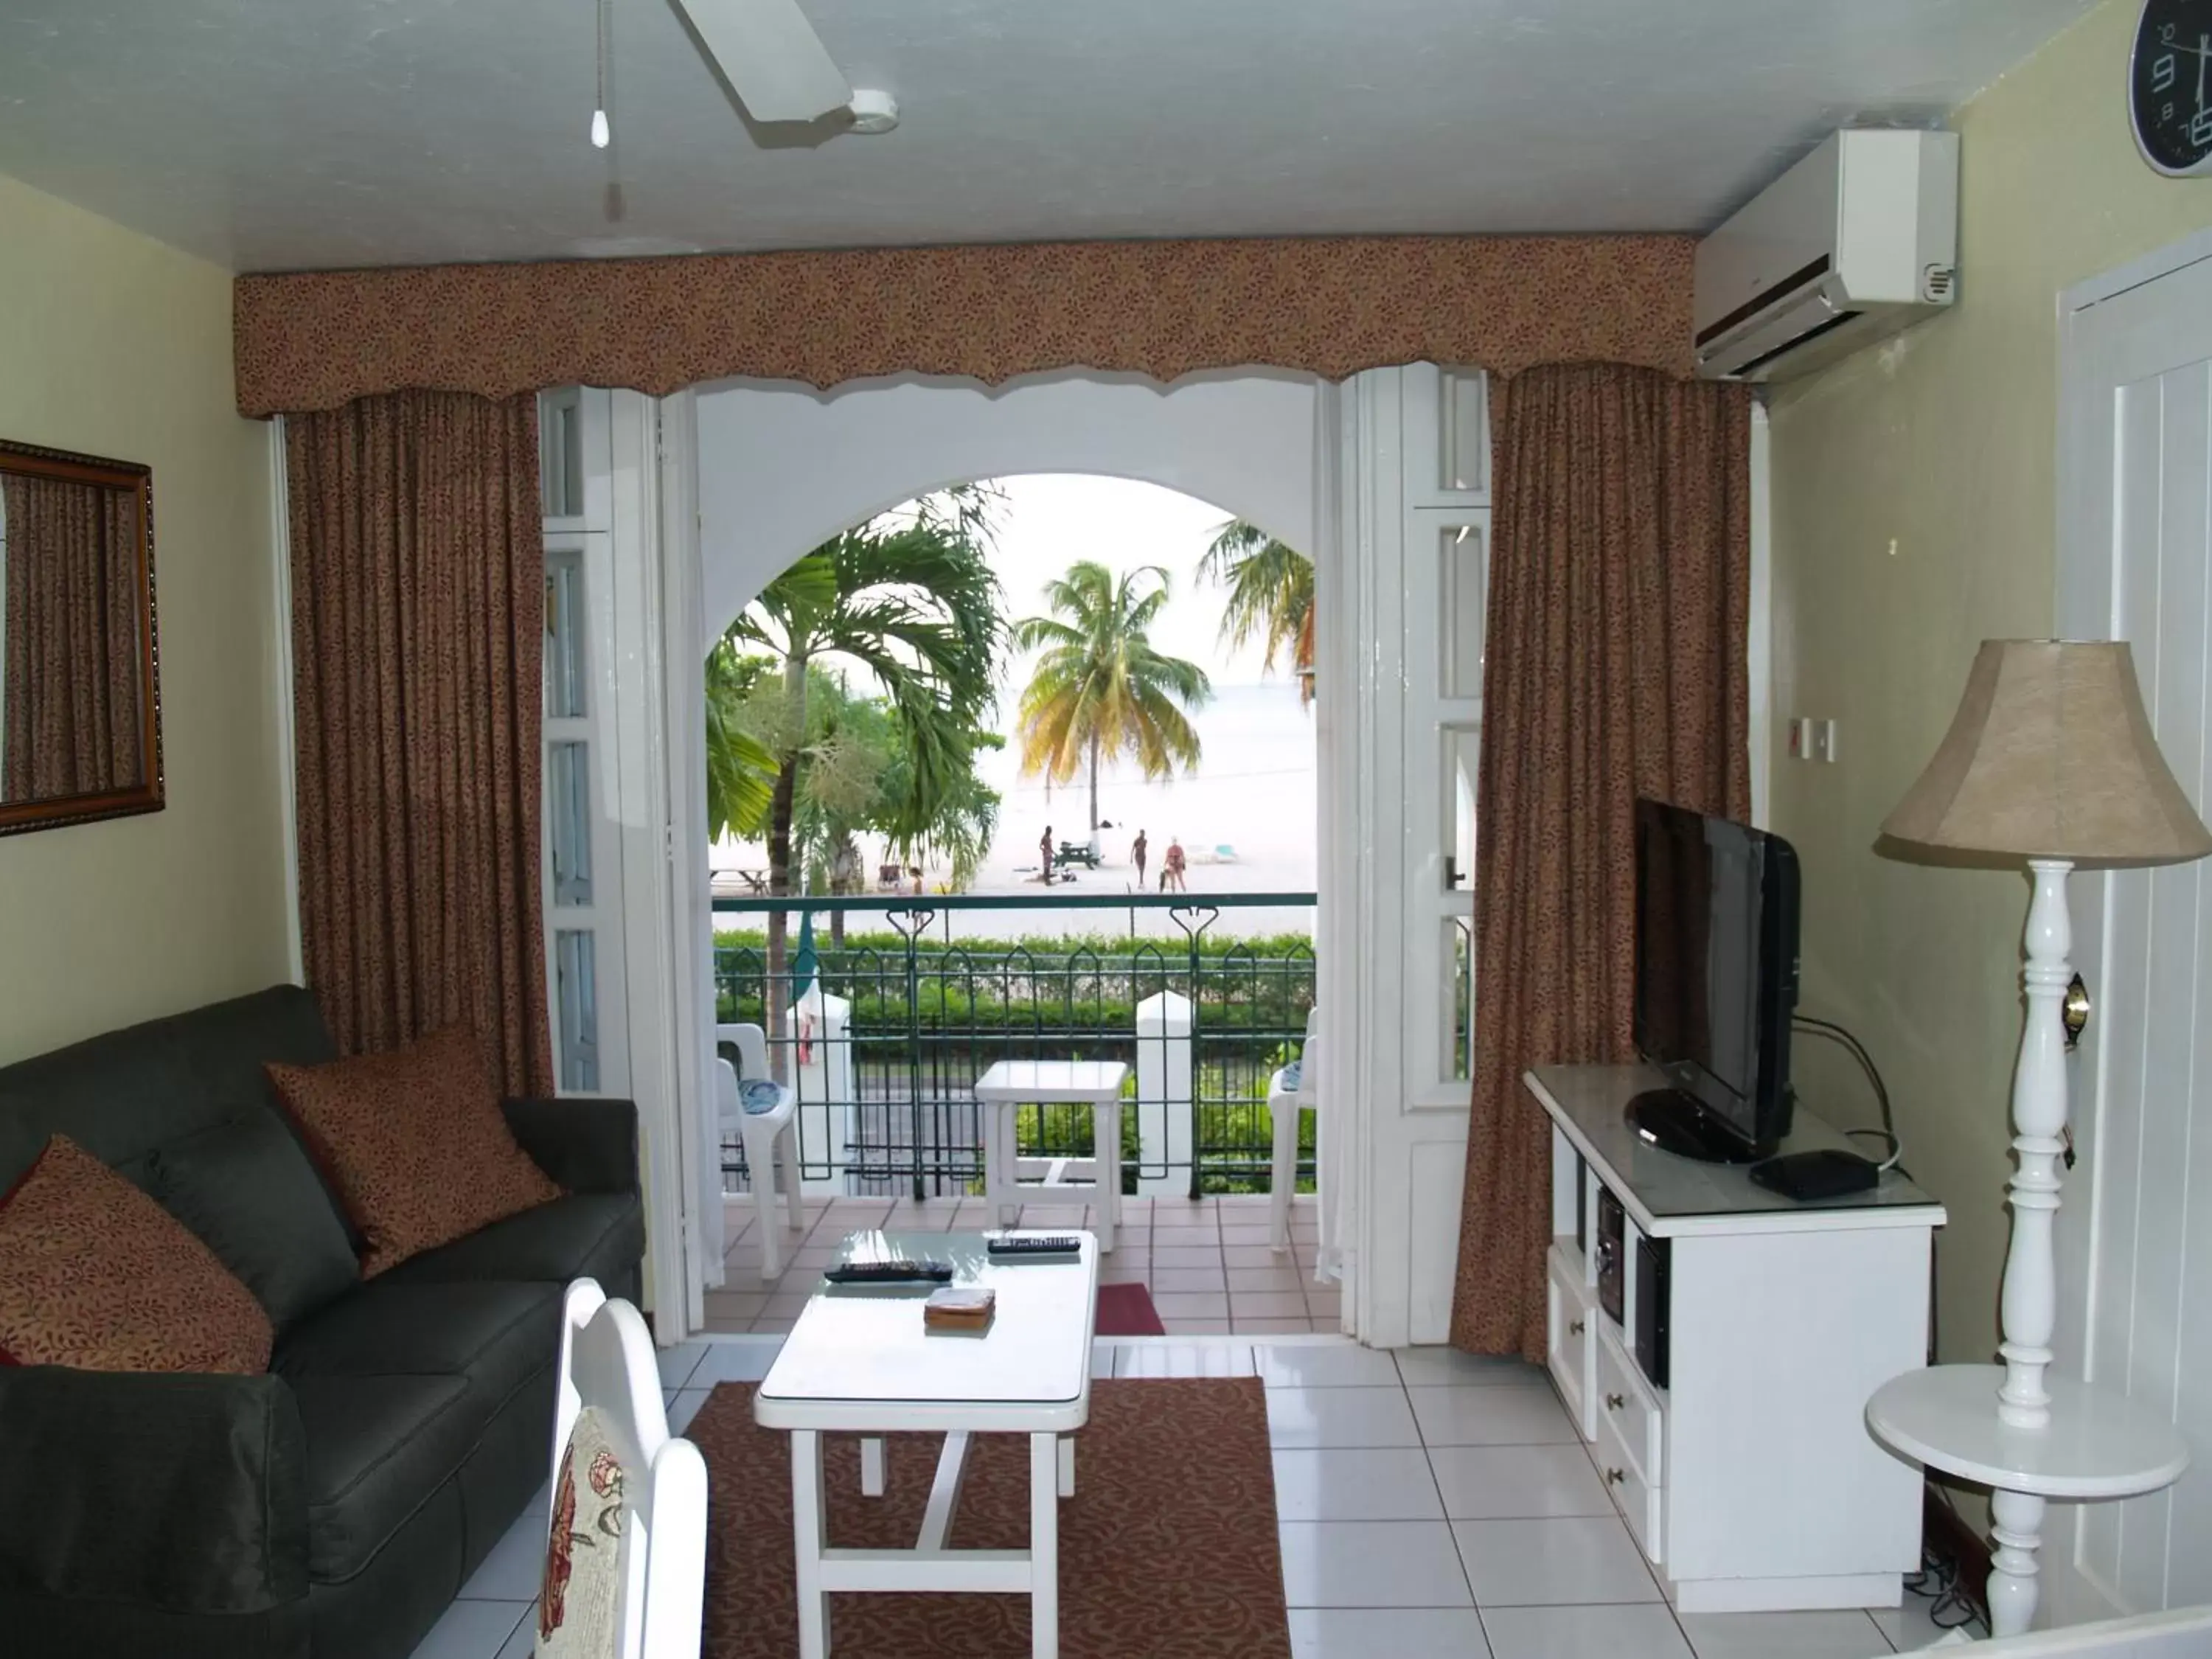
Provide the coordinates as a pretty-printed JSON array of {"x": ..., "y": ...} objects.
[{"x": 2170, "y": 85}]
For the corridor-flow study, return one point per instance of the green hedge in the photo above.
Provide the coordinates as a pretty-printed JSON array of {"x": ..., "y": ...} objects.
[{"x": 1056, "y": 988}]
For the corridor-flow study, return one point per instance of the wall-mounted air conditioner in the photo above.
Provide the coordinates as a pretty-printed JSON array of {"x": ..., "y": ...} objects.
[{"x": 1856, "y": 241}]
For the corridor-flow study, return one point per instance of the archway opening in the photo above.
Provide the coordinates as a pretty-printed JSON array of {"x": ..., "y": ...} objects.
[{"x": 1112, "y": 855}]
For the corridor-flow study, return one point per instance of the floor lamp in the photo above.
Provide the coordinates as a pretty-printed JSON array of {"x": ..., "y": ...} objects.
[{"x": 2049, "y": 760}]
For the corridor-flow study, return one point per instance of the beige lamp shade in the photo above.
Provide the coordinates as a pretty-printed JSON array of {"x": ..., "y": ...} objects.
[{"x": 2051, "y": 756}]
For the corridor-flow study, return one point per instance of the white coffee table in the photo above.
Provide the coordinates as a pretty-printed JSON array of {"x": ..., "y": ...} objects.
[
  {"x": 858, "y": 1362},
  {"x": 1011, "y": 1084}
]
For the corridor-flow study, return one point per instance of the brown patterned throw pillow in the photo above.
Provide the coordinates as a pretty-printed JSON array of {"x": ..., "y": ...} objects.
[
  {"x": 95, "y": 1274},
  {"x": 416, "y": 1144}
]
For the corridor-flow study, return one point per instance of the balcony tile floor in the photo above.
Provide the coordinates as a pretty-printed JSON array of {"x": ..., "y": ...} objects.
[
  {"x": 1205, "y": 1261},
  {"x": 1488, "y": 1538}
]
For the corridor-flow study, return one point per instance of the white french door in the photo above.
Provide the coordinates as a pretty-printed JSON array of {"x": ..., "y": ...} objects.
[
  {"x": 2136, "y": 1241},
  {"x": 1405, "y": 641},
  {"x": 583, "y": 873},
  {"x": 621, "y": 995}
]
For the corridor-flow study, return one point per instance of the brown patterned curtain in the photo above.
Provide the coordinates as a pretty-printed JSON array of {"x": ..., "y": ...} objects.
[
  {"x": 70, "y": 589},
  {"x": 1615, "y": 668},
  {"x": 417, "y": 606}
]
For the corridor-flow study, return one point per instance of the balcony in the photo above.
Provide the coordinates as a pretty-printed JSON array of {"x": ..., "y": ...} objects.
[{"x": 884, "y": 1041}]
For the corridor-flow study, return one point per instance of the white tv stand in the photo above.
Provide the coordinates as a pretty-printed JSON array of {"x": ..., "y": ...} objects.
[{"x": 1750, "y": 1479}]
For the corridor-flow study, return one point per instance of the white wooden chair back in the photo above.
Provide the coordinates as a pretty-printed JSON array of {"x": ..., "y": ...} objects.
[{"x": 607, "y": 1363}]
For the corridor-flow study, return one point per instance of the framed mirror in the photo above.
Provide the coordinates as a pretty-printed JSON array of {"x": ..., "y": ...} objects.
[{"x": 80, "y": 701}]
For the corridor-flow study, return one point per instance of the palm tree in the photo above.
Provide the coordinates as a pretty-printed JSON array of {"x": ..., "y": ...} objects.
[
  {"x": 1100, "y": 691},
  {"x": 914, "y": 603},
  {"x": 1271, "y": 596},
  {"x": 740, "y": 768}
]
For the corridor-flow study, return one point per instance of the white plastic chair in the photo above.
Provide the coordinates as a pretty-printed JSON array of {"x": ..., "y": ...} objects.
[
  {"x": 1288, "y": 1099},
  {"x": 656, "y": 1497},
  {"x": 769, "y": 1137}
]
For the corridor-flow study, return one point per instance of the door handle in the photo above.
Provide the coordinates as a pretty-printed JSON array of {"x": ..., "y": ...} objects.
[
  {"x": 1574, "y": 1327},
  {"x": 1613, "y": 1402}
]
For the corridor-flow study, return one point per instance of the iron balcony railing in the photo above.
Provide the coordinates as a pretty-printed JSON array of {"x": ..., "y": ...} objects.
[{"x": 885, "y": 1042}]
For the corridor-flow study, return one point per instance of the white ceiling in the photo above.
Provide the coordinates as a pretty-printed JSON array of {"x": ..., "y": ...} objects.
[{"x": 291, "y": 134}]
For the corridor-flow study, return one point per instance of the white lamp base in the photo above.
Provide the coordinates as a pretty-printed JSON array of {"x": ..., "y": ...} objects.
[{"x": 2013, "y": 1428}]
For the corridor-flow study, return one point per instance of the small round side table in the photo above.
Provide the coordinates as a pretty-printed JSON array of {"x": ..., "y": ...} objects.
[{"x": 2098, "y": 1445}]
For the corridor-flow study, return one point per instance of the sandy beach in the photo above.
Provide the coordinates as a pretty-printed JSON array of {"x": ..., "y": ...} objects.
[{"x": 1254, "y": 795}]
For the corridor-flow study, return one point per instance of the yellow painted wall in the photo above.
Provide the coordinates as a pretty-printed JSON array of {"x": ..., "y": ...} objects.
[
  {"x": 114, "y": 344},
  {"x": 1914, "y": 517}
]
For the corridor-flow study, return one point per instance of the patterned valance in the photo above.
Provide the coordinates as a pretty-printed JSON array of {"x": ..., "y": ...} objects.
[{"x": 1330, "y": 307}]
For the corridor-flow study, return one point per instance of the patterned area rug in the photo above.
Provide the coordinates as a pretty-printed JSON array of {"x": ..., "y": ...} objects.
[{"x": 1168, "y": 1548}]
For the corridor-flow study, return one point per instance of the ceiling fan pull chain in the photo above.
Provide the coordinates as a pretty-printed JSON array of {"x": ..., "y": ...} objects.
[{"x": 599, "y": 133}]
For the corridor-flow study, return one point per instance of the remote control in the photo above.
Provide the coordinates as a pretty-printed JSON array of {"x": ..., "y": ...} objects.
[
  {"x": 1019, "y": 1247},
  {"x": 890, "y": 1272}
]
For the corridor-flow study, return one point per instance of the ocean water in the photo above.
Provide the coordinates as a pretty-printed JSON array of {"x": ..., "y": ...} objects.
[{"x": 1246, "y": 819}]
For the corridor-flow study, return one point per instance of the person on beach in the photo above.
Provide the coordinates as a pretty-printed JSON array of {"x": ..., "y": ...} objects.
[
  {"x": 1139, "y": 850},
  {"x": 1172, "y": 867},
  {"x": 1045, "y": 847}
]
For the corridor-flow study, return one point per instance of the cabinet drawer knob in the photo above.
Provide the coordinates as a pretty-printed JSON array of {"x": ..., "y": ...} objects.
[
  {"x": 1614, "y": 1477},
  {"x": 1574, "y": 1327},
  {"x": 1613, "y": 1402}
]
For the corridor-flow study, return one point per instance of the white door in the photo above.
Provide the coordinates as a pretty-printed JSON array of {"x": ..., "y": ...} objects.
[
  {"x": 622, "y": 1002},
  {"x": 2136, "y": 564},
  {"x": 1405, "y": 632}
]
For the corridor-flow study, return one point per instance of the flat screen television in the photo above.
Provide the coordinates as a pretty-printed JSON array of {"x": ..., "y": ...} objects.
[{"x": 1716, "y": 982}]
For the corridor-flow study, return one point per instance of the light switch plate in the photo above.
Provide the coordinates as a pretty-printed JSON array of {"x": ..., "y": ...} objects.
[
  {"x": 1801, "y": 731},
  {"x": 1824, "y": 740}
]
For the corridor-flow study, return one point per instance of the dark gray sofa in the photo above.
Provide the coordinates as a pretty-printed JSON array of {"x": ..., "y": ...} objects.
[{"x": 334, "y": 1507}]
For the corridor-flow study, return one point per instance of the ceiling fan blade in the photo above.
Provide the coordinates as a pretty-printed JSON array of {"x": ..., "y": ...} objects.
[{"x": 771, "y": 57}]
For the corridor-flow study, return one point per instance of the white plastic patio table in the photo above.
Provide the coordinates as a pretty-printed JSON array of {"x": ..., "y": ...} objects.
[
  {"x": 1012, "y": 1084},
  {"x": 858, "y": 1361}
]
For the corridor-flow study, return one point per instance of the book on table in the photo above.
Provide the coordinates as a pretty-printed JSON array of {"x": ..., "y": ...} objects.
[{"x": 967, "y": 1307}]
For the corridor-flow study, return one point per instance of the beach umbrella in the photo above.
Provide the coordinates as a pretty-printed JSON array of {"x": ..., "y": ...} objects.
[{"x": 805, "y": 962}]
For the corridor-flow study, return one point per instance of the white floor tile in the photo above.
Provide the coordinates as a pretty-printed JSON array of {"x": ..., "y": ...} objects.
[
  {"x": 685, "y": 1407},
  {"x": 1481, "y": 1483},
  {"x": 1371, "y": 1563},
  {"x": 1363, "y": 1484},
  {"x": 1303, "y": 1365},
  {"x": 523, "y": 1642},
  {"x": 677, "y": 1363},
  {"x": 739, "y": 1359},
  {"x": 472, "y": 1630},
  {"x": 1645, "y": 1632},
  {"x": 1223, "y": 1358},
  {"x": 1340, "y": 1416},
  {"x": 1845, "y": 1635},
  {"x": 1909, "y": 1628},
  {"x": 1465, "y": 1415},
  {"x": 1524, "y": 1563},
  {"x": 1387, "y": 1633},
  {"x": 1431, "y": 1367}
]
